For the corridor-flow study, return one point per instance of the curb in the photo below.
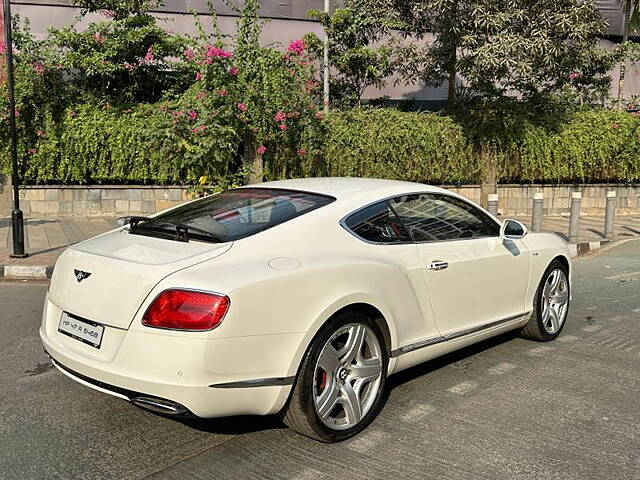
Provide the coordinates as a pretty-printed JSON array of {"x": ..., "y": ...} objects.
[
  {"x": 583, "y": 248},
  {"x": 26, "y": 272},
  {"x": 43, "y": 272}
]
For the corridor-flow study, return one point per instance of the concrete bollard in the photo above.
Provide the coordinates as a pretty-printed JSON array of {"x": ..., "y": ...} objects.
[
  {"x": 574, "y": 218},
  {"x": 492, "y": 204},
  {"x": 536, "y": 212},
  {"x": 610, "y": 214}
]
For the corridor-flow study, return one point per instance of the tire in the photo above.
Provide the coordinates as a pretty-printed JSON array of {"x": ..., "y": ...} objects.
[
  {"x": 551, "y": 306},
  {"x": 339, "y": 386}
]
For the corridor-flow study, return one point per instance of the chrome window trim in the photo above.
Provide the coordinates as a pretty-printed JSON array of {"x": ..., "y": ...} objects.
[{"x": 343, "y": 220}]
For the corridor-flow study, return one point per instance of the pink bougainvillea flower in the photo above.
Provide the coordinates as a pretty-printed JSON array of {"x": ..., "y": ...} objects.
[
  {"x": 193, "y": 114},
  {"x": 32, "y": 151},
  {"x": 199, "y": 129},
  {"x": 280, "y": 116},
  {"x": 615, "y": 125},
  {"x": 201, "y": 95},
  {"x": 319, "y": 115},
  {"x": 242, "y": 107},
  {"x": 108, "y": 13},
  {"x": 573, "y": 76},
  {"x": 17, "y": 113},
  {"x": 218, "y": 52},
  {"x": 198, "y": 76},
  {"x": 302, "y": 152},
  {"x": 129, "y": 66},
  {"x": 233, "y": 71},
  {"x": 40, "y": 133},
  {"x": 297, "y": 47},
  {"x": 149, "y": 57},
  {"x": 222, "y": 93},
  {"x": 261, "y": 150},
  {"x": 99, "y": 38},
  {"x": 282, "y": 127},
  {"x": 189, "y": 54},
  {"x": 38, "y": 67}
]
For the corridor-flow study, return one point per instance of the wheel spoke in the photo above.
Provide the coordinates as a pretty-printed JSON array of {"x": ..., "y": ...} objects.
[
  {"x": 351, "y": 403},
  {"x": 561, "y": 298},
  {"x": 555, "y": 320},
  {"x": 328, "y": 360},
  {"x": 351, "y": 349},
  {"x": 368, "y": 369},
  {"x": 555, "y": 281},
  {"x": 328, "y": 399}
]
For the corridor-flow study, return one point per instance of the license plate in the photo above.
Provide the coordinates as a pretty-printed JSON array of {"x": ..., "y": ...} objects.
[{"x": 84, "y": 330}]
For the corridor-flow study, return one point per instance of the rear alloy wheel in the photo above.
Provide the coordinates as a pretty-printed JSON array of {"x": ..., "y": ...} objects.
[
  {"x": 339, "y": 387},
  {"x": 551, "y": 304}
]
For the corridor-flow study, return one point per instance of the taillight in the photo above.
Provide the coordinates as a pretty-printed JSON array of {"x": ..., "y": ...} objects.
[{"x": 186, "y": 310}]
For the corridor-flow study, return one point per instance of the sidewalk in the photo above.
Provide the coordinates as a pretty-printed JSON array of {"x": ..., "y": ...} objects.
[{"x": 46, "y": 238}]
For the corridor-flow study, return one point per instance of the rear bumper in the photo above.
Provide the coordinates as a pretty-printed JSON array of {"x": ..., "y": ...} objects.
[{"x": 179, "y": 374}]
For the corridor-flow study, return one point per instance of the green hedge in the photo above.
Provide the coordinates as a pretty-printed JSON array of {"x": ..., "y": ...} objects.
[
  {"x": 591, "y": 145},
  {"x": 98, "y": 144},
  {"x": 387, "y": 143}
]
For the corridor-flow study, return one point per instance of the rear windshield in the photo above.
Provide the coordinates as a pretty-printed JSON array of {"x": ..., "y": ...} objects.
[{"x": 233, "y": 214}]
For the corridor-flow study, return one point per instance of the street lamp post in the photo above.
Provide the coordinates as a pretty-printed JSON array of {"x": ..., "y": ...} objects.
[
  {"x": 17, "y": 219},
  {"x": 325, "y": 80}
]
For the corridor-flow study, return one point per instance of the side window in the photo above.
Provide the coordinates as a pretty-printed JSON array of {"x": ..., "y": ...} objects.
[
  {"x": 377, "y": 223},
  {"x": 433, "y": 217}
]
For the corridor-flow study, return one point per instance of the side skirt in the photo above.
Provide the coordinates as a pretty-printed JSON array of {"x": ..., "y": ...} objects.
[{"x": 450, "y": 336}]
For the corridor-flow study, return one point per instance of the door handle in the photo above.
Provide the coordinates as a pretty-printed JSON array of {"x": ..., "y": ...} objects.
[{"x": 438, "y": 265}]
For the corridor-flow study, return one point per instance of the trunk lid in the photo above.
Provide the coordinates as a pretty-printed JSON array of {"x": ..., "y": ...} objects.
[{"x": 123, "y": 269}]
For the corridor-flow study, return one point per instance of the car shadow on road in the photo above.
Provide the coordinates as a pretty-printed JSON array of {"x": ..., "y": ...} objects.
[
  {"x": 430, "y": 366},
  {"x": 234, "y": 425},
  {"x": 248, "y": 424}
]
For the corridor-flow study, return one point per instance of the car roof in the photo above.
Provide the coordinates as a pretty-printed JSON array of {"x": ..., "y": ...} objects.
[{"x": 350, "y": 188}]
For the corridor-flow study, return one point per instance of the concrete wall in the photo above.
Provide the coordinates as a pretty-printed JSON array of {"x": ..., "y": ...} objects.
[
  {"x": 48, "y": 201},
  {"x": 95, "y": 201}
]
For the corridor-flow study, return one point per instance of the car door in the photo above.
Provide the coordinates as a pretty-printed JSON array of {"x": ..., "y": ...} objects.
[
  {"x": 388, "y": 241},
  {"x": 474, "y": 278}
]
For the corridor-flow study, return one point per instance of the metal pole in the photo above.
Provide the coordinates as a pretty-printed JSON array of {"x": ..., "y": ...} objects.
[
  {"x": 610, "y": 213},
  {"x": 17, "y": 221},
  {"x": 574, "y": 219},
  {"x": 492, "y": 204},
  {"x": 325, "y": 98},
  {"x": 536, "y": 212}
]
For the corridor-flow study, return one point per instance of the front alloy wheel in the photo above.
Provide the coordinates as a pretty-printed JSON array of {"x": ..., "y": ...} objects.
[
  {"x": 551, "y": 304},
  {"x": 338, "y": 391}
]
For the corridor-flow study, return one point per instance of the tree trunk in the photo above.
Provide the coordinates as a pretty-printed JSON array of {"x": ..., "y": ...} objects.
[
  {"x": 625, "y": 37},
  {"x": 451, "y": 95},
  {"x": 3, "y": 70},
  {"x": 251, "y": 159}
]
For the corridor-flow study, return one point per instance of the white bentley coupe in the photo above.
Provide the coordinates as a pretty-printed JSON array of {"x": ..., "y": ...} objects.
[{"x": 296, "y": 297}]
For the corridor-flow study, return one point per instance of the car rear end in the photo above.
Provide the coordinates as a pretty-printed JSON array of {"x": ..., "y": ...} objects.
[{"x": 122, "y": 318}]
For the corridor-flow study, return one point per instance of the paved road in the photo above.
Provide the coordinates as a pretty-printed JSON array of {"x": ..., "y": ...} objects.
[{"x": 505, "y": 409}]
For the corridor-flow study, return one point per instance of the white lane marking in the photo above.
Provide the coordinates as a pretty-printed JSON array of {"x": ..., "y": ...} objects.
[
  {"x": 622, "y": 275},
  {"x": 567, "y": 338},
  {"x": 592, "y": 328},
  {"x": 365, "y": 442},
  {"x": 502, "y": 368},
  {"x": 417, "y": 412},
  {"x": 463, "y": 388},
  {"x": 540, "y": 351},
  {"x": 311, "y": 474}
]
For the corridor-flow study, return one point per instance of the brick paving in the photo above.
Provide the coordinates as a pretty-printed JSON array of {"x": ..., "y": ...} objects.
[{"x": 46, "y": 238}]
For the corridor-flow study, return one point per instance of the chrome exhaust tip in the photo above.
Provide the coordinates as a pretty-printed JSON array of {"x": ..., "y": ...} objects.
[{"x": 159, "y": 405}]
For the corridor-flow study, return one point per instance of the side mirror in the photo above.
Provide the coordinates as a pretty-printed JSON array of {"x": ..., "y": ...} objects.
[
  {"x": 512, "y": 230},
  {"x": 122, "y": 221}
]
